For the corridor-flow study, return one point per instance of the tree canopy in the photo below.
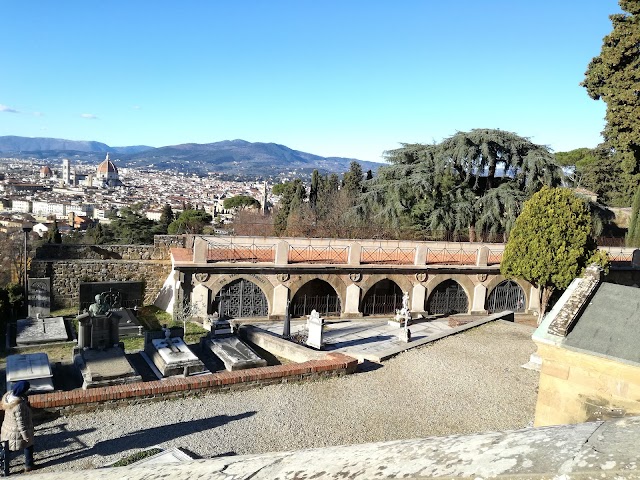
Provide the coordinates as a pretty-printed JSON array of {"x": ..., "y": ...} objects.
[
  {"x": 614, "y": 77},
  {"x": 190, "y": 221},
  {"x": 472, "y": 180},
  {"x": 240, "y": 202},
  {"x": 551, "y": 242}
]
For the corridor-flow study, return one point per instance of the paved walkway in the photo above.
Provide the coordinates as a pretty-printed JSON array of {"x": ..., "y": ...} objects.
[{"x": 376, "y": 340}]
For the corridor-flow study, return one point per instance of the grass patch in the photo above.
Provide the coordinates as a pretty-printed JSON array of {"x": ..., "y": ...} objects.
[
  {"x": 133, "y": 344},
  {"x": 65, "y": 312},
  {"x": 128, "y": 460},
  {"x": 152, "y": 318},
  {"x": 56, "y": 353}
]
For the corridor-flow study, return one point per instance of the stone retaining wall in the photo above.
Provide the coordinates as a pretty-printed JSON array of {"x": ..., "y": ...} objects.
[
  {"x": 80, "y": 401},
  {"x": 66, "y": 276},
  {"x": 52, "y": 251}
]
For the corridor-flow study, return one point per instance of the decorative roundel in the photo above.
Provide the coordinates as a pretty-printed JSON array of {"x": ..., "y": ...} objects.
[
  {"x": 282, "y": 277},
  {"x": 355, "y": 277},
  {"x": 202, "y": 277},
  {"x": 421, "y": 276},
  {"x": 482, "y": 277}
]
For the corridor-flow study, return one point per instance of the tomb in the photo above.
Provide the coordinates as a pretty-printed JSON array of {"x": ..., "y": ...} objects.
[
  {"x": 234, "y": 353},
  {"x": 36, "y": 331},
  {"x": 99, "y": 354},
  {"x": 170, "y": 355},
  {"x": 33, "y": 367}
]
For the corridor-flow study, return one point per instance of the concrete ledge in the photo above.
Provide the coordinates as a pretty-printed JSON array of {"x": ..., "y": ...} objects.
[{"x": 584, "y": 451}]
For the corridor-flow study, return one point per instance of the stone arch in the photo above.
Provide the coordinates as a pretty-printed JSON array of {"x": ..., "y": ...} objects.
[
  {"x": 463, "y": 281},
  {"x": 401, "y": 280},
  {"x": 217, "y": 283},
  {"x": 382, "y": 298},
  {"x": 498, "y": 279},
  {"x": 316, "y": 294},
  {"x": 334, "y": 280}
]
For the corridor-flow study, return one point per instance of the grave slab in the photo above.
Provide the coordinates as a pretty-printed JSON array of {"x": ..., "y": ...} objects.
[
  {"x": 33, "y": 367},
  {"x": 101, "y": 368},
  {"x": 234, "y": 353},
  {"x": 33, "y": 331},
  {"x": 173, "y": 357}
]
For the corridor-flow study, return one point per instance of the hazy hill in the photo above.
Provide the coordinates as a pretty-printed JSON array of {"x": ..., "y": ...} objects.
[{"x": 237, "y": 158}]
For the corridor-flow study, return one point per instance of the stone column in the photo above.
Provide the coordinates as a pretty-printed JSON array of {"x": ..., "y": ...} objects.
[
  {"x": 200, "y": 301},
  {"x": 279, "y": 302},
  {"x": 355, "y": 250},
  {"x": 200, "y": 249},
  {"x": 479, "y": 298},
  {"x": 421, "y": 255},
  {"x": 418, "y": 297},
  {"x": 534, "y": 300},
  {"x": 482, "y": 257},
  {"x": 282, "y": 253},
  {"x": 352, "y": 302}
]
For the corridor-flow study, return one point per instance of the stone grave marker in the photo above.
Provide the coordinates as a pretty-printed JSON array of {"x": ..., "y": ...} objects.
[
  {"x": 39, "y": 297},
  {"x": 315, "y": 325}
]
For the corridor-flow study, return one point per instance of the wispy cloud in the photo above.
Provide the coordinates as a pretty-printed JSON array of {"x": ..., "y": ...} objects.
[
  {"x": 136, "y": 107},
  {"x": 4, "y": 108},
  {"x": 89, "y": 116},
  {"x": 38, "y": 114}
]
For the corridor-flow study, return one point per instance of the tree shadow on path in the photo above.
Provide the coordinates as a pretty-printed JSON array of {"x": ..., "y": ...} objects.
[{"x": 50, "y": 439}]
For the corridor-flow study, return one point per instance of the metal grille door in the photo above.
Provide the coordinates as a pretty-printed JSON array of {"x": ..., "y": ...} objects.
[
  {"x": 448, "y": 298},
  {"x": 323, "y": 304},
  {"x": 508, "y": 295},
  {"x": 241, "y": 298},
  {"x": 375, "y": 304}
]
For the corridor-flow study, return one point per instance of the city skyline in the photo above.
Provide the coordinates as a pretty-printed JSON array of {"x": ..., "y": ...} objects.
[{"x": 333, "y": 78}]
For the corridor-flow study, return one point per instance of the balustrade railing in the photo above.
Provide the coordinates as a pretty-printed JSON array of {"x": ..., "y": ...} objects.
[
  {"x": 220, "y": 252},
  {"x": 451, "y": 256},
  {"x": 494, "y": 257},
  {"x": 318, "y": 254},
  {"x": 388, "y": 256}
]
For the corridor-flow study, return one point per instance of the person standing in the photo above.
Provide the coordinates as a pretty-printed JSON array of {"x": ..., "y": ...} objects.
[{"x": 17, "y": 428}]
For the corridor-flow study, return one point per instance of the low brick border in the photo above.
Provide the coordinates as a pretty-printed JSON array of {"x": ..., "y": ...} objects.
[{"x": 77, "y": 401}]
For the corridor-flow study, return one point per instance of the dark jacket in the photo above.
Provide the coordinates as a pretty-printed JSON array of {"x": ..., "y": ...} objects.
[{"x": 17, "y": 427}]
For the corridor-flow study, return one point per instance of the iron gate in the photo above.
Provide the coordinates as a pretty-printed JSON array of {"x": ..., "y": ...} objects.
[
  {"x": 323, "y": 304},
  {"x": 448, "y": 298},
  {"x": 241, "y": 298},
  {"x": 508, "y": 295},
  {"x": 381, "y": 304}
]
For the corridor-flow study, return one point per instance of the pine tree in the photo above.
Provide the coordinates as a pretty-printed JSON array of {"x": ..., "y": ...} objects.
[{"x": 613, "y": 77}]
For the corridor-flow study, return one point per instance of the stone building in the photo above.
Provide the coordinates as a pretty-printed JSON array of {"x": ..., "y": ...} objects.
[{"x": 588, "y": 348}]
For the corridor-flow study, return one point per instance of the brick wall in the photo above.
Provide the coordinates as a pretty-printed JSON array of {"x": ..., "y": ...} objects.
[{"x": 80, "y": 401}]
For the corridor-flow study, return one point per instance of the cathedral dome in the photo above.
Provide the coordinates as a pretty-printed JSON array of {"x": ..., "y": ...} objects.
[{"x": 106, "y": 167}]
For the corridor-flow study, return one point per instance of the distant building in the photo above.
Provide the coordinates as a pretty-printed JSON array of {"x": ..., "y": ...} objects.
[
  {"x": 107, "y": 173},
  {"x": 45, "y": 172},
  {"x": 66, "y": 171}
]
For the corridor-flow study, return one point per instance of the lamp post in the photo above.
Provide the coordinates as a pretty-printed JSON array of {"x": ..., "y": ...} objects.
[{"x": 26, "y": 228}]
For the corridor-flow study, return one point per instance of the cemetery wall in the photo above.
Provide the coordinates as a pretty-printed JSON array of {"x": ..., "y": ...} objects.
[
  {"x": 80, "y": 401},
  {"x": 69, "y": 265}
]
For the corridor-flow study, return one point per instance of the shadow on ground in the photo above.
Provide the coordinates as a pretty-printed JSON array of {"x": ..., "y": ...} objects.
[{"x": 58, "y": 437}]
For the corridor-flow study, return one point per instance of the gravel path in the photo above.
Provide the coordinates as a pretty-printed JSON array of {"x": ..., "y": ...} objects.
[{"x": 465, "y": 383}]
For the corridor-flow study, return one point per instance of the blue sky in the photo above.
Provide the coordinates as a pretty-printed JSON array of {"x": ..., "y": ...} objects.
[{"x": 333, "y": 78}]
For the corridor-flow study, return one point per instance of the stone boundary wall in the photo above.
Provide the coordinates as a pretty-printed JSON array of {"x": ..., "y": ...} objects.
[
  {"x": 52, "y": 251},
  {"x": 81, "y": 401},
  {"x": 69, "y": 265},
  {"x": 66, "y": 276}
]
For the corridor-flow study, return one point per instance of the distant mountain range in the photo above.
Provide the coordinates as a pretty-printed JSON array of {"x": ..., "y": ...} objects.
[{"x": 230, "y": 158}]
